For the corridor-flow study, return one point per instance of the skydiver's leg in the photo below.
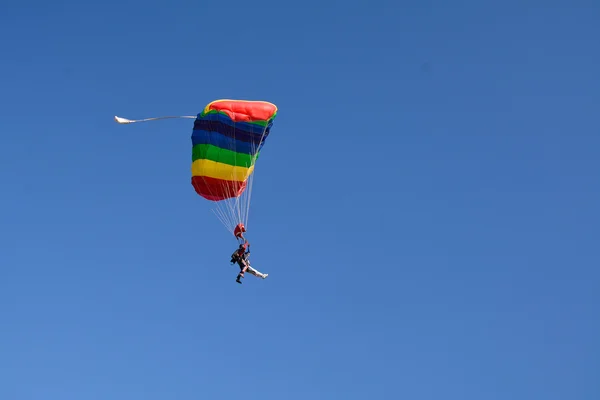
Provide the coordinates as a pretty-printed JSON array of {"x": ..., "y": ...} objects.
[
  {"x": 256, "y": 273},
  {"x": 243, "y": 268}
]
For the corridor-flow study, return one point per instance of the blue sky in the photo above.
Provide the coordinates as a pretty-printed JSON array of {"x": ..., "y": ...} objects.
[{"x": 426, "y": 205}]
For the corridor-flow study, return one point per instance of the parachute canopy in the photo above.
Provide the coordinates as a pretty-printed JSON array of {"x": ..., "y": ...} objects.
[{"x": 227, "y": 138}]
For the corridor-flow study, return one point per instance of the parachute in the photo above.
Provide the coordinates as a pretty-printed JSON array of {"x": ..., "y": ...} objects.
[
  {"x": 227, "y": 138},
  {"x": 226, "y": 141}
]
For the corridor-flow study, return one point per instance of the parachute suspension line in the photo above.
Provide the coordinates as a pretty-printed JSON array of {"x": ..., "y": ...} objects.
[
  {"x": 229, "y": 210},
  {"x": 236, "y": 209},
  {"x": 227, "y": 204},
  {"x": 223, "y": 208},
  {"x": 244, "y": 200},
  {"x": 219, "y": 212},
  {"x": 234, "y": 201},
  {"x": 238, "y": 200},
  {"x": 224, "y": 211},
  {"x": 247, "y": 196},
  {"x": 223, "y": 220},
  {"x": 255, "y": 150}
]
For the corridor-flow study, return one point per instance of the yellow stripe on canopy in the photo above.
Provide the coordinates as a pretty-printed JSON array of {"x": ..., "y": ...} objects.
[{"x": 217, "y": 170}]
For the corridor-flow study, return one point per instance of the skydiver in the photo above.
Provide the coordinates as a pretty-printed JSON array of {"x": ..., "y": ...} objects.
[{"x": 240, "y": 256}]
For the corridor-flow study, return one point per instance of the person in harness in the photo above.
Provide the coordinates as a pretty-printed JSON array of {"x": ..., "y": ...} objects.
[{"x": 240, "y": 256}]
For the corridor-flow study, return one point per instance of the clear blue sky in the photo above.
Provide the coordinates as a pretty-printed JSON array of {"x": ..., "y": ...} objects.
[{"x": 427, "y": 205}]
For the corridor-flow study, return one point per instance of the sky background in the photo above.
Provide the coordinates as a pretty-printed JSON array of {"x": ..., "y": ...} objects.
[{"x": 427, "y": 205}]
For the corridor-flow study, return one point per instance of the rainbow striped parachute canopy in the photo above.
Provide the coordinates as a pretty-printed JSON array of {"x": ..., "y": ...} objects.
[{"x": 226, "y": 140}]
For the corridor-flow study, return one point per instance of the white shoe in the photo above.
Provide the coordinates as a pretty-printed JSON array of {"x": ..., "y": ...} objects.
[{"x": 265, "y": 276}]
